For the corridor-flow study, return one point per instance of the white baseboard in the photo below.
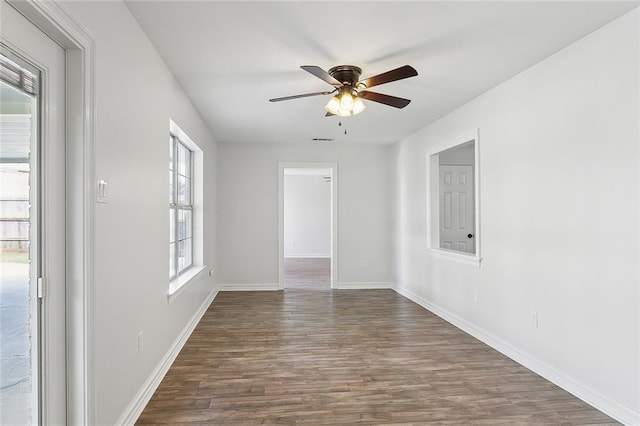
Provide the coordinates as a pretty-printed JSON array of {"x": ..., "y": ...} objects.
[
  {"x": 308, "y": 256},
  {"x": 363, "y": 285},
  {"x": 135, "y": 408},
  {"x": 619, "y": 411},
  {"x": 275, "y": 286},
  {"x": 249, "y": 287}
]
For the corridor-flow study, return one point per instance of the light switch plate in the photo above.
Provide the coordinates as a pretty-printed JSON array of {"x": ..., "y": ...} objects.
[{"x": 102, "y": 192}]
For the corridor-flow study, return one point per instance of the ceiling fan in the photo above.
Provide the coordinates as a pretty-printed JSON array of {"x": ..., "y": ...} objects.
[{"x": 350, "y": 90}]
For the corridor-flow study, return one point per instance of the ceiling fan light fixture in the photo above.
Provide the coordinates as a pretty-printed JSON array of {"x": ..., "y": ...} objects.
[
  {"x": 333, "y": 106},
  {"x": 358, "y": 106},
  {"x": 346, "y": 101},
  {"x": 343, "y": 113}
]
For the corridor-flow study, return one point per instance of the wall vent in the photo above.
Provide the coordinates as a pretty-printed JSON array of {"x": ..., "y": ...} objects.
[{"x": 322, "y": 139}]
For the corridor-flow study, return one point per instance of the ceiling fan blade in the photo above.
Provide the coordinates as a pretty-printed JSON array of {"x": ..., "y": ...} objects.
[
  {"x": 321, "y": 74},
  {"x": 389, "y": 76},
  {"x": 328, "y": 114},
  {"x": 384, "y": 99},
  {"x": 286, "y": 98}
]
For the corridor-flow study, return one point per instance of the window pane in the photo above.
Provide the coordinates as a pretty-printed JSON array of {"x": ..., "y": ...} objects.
[
  {"x": 182, "y": 225},
  {"x": 172, "y": 259},
  {"x": 181, "y": 256},
  {"x": 187, "y": 192},
  {"x": 188, "y": 223},
  {"x": 183, "y": 157},
  {"x": 172, "y": 225},
  {"x": 171, "y": 146},
  {"x": 182, "y": 190},
  {"x": 187, "y": 163},
  {"x": 188, "y": 248},
  {"x": 172, "y": 194},
  {"x": 19, "y": 355}
]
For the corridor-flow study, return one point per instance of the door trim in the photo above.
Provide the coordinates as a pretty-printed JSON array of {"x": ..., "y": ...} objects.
[
  {"x": 334, "y": 216},
  {"x": 54, "y": 20}
]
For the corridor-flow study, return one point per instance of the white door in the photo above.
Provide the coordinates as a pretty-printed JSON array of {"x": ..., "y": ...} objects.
[
  {"x": 44, "y": 160},
  {"x": 457, "y": 231}
]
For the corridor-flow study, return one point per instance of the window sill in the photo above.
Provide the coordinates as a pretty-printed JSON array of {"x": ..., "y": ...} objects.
[
  {"x": 468, "y": 259},
  {"x": 178, "y": 284}
]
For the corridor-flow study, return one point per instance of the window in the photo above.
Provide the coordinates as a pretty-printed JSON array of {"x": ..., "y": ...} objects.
[
  {"x": 453, "y": 215},
  {"x": 180, "y": 207},
  {"x": 186, "y": 183}
]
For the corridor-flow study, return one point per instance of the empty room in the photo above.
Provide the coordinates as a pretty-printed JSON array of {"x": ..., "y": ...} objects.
[{"x": 316, "y": 212}]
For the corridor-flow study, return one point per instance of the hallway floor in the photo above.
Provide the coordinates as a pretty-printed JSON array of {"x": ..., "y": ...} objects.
[
  {"x": 346, "y": 357},
  {"x": 307, "y": 273}
]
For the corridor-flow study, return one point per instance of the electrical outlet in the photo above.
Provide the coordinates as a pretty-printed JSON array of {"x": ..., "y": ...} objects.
[
  {"x": 534, "y": 319},
  {"x": 140, "y": 341},
  {"x": 365, "y": 264}
]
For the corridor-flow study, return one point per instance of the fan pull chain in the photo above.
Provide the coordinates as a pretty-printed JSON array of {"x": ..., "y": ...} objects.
[{"x": 340, "y": 124}]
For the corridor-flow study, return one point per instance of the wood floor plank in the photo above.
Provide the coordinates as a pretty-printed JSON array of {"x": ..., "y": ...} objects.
[{"x": 316, "y": 356}]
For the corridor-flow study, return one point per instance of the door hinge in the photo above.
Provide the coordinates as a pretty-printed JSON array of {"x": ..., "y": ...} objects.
[{"x": 41, "y": 288}]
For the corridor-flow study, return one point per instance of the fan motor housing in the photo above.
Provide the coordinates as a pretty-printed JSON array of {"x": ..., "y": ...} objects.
[{"x": 346, "y": 74}]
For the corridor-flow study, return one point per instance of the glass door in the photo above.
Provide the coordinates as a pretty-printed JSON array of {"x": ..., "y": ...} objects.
[{"x": 19, "y": 302}]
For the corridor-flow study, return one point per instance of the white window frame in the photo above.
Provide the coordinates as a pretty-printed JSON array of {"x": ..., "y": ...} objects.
[
  {"x": 433, "y": 200},
  {"x": 179, "y": 281},
  {"x": 176, "y": 206}
]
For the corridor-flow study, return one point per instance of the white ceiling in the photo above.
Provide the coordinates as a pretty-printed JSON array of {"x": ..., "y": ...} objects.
[{"x": 231, "y": 57}]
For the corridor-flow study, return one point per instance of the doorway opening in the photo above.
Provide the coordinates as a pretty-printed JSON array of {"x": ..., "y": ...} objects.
[
  {"x": 308, "y": 223},
  {"x": 453, "y": 213},
  {"x": 456, "y": 196}
]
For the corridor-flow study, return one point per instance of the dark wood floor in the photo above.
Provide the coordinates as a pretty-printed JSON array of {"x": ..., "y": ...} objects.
[{"x": 347, "y": 357}]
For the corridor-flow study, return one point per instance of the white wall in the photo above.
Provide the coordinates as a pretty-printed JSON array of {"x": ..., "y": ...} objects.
[
  {"x": 559, "y": 219},
  {"x": 307, "y": 216},
  {"x": 248, "y": 214},
  {"x": 135, "y": 97}
]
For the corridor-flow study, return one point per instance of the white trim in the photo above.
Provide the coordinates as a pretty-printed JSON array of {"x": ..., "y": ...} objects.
[
  {"x": 182, "y": 281},
  {"x": 249, "y": 287},
  {"x": 468, "y": 136},
  {"x": 364, "y": 285},
  {"x": 456, "y": 163},
  {"x": 616, "y": 409},
  {"x": 455, "y": 256},
  {"x": 175, "y": 130},
  {"x": 308, "y": 256},
  {"x": 53, "y": 19},
  {"x": 334, "y": 215},
  {"x": 142, "y": 397},
  {"x": 432, "y": 197}
]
